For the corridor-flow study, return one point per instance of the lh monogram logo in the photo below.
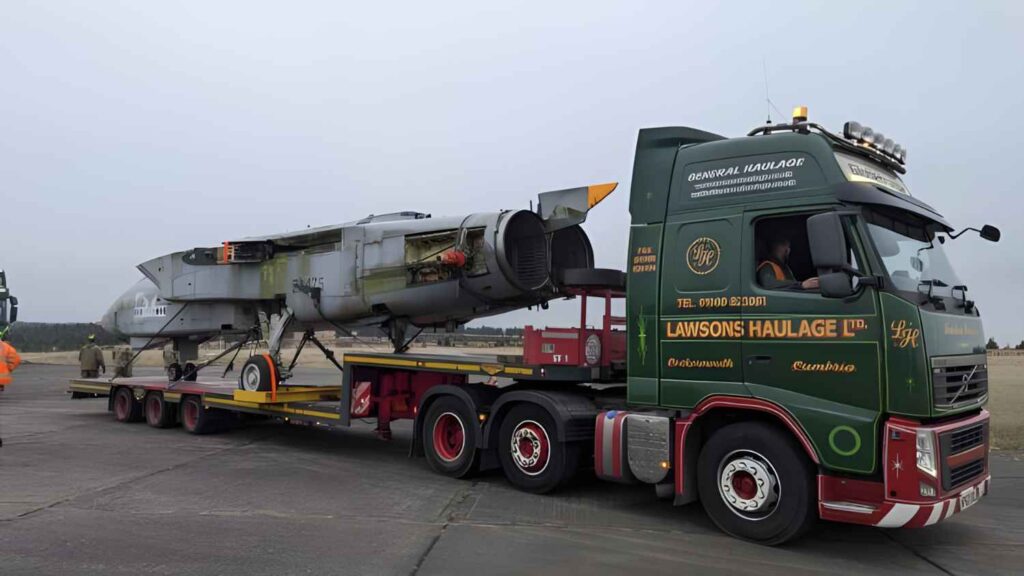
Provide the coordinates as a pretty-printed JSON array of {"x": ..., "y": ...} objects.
[
  {"x": 702, "y": 256},
  {"x": 903, "y": 334}
]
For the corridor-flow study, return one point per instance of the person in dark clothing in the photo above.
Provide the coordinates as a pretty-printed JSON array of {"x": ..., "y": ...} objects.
[
  {"x": 774, "y": 272},
  {"x": 90, "y": 359}
]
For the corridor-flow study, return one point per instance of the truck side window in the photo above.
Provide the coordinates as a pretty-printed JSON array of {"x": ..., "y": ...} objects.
[{"x": 783, "y": 255}]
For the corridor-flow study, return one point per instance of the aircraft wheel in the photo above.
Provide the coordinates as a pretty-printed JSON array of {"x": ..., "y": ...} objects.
[
  {"x": 258, "y": 374},
  {"x": 174, "y": 372},
  {"x": 126, "y": 407},
  {"x": 190, "y": 372}
]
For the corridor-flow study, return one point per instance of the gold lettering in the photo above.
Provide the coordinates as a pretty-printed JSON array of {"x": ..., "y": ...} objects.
[{"x": 903, "y": 334}]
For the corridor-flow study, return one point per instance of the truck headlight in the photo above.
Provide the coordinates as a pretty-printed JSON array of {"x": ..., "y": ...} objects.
[{"x": 926, "y": 452}]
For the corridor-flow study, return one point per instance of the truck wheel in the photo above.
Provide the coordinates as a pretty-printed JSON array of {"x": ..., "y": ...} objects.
[
  {"x": 174, "y": 372},
  {"x": 189, "y": 373},
  {"x": 531, "y": 455},
  {"x": 126, "y": 407},
  {"x": 195, "y": 418},
  {"x": 449, "y": 438},
  {"x": 256, "y": 374},
  {"x": 755, "y": 483},
  {"x": 159, "y": 413}
]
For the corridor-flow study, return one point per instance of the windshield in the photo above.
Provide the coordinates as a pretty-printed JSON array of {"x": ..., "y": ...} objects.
[{"x": 912, "y": 253}]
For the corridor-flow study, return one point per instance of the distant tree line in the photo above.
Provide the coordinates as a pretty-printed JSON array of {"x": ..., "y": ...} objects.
[
  {"x": 45, "y": 337},
  {"x": 993, "y": 345}
]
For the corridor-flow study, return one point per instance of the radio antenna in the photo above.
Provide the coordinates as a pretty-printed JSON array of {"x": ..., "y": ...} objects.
[{"x": 767, "y": 98}]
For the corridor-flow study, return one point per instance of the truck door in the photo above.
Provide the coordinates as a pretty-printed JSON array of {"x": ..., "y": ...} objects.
[
  {"x": 818, "y": 358},
  {"x": 700, "y": 325}
]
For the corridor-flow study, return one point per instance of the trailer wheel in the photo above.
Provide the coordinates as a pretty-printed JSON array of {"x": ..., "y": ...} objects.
[
  {"x": 126, "y": 407},
  {"x": 190, "y": 372},
  {"x": 531, "y": 456},
  {"x": 449, "y": 438},
  {"x": 174, "y": 372},
  {"x": 755, "y": 483},
  {"x": 257, "y": 374},
  {"x": 159, "y": 413},
  {"x": 197, "y": 419}
]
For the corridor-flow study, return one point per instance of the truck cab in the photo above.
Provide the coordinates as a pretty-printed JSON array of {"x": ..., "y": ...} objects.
[
  {"x": 791, "y": 276},
  {"x": 8, "y": 306}
]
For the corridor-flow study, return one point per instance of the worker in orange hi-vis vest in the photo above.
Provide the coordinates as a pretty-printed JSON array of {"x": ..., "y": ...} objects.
[
  {"x": 9, "y": 360},
  {"x": 774, "y": 272}
]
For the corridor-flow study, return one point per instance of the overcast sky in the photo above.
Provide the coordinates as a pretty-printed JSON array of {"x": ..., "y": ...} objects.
[{"x": 131, "y": 131}]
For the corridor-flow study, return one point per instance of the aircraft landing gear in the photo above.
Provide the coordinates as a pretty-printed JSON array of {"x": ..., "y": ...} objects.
[
  {"x": 259, "y": 374},
  {"x": 174, "y": 372}
]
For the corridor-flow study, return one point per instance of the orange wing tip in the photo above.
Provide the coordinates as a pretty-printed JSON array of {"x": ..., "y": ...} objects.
[{"x": 598, "y": 192}]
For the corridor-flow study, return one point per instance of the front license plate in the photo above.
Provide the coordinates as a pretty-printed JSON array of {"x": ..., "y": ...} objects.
[{"x": 969, "y": 497}]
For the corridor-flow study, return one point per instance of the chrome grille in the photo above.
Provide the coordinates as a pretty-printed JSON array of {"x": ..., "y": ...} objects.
[{"x": 959, "y": 380}]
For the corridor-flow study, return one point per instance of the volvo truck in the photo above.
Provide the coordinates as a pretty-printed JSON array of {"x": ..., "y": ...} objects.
[{"x": 796, "y": 346}]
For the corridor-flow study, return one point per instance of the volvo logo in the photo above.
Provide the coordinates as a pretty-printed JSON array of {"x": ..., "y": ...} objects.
[{"x": 963, "y": 388}]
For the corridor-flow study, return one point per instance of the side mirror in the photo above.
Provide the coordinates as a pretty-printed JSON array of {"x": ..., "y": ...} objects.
[
  {"x": 990, "y": 233},
  {"x": 836, "y": 285},
  {"x": 828, "y": 243},
  {"x": 14, "y": 310}
]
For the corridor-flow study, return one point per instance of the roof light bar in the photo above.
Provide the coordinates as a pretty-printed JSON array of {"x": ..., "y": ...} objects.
[{"x": 877, "y": 141}]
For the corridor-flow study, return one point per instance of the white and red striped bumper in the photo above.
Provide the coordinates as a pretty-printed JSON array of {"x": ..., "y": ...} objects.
[{"x": 898, "y": 514}]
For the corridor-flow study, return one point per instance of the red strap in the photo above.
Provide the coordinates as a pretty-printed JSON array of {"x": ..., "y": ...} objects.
[{"x": 273, "y": 377}]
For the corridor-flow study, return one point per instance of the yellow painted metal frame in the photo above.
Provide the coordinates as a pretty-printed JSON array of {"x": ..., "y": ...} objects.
[
  {"x": 286, "y": 394},
  {"x": 91, "y": 388},
  {"x": 488, "y": 368},
  {"x": 281, "y": 409}
]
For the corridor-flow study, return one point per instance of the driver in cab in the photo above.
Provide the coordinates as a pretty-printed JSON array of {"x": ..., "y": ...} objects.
[{"x": 774, "y": 272}]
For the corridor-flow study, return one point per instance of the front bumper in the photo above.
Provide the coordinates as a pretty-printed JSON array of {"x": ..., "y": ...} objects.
[{"x": 909, "y": 496}]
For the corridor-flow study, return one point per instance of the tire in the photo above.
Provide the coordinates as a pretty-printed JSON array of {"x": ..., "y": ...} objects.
[
  {"x": 257, "y": 374},
  {"x": 174, "y": 372},
  {"x": 196, "y": 418},
  {"x": 450, "y": 438},
  {"x": 189, "y": 372},
  {"x": 756, "y": 483},
  {"x": 531, "y": 456},
  {"x": 126, "y": 407},
  {"x": 159, "y": 413}
]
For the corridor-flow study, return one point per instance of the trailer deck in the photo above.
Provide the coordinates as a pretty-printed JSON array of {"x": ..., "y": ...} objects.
[{"x": 319, "y": 404}]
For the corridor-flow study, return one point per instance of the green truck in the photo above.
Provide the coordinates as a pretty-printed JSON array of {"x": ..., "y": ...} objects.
[
  {"x": 863, "y": 394},
  {"x": 8, "y": 306},
  {"x": 796, "y": 346}
]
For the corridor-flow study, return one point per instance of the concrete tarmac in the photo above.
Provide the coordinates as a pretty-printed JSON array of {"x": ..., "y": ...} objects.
[{"x": 82, "y": 494}]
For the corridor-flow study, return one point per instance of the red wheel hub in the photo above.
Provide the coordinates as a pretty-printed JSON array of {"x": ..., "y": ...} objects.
[
  {"x": 449, "y": 437},
  {"x": 744, "y": 485},
  {"x": 121, "y": 406},
  {"x": 191, "y": 413},
  {"x": 153, "y": 408},
  {"x": 531, "y": 448}
]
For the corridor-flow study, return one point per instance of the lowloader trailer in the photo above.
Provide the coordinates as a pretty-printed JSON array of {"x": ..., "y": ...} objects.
[{"x": 795, "y": 346}]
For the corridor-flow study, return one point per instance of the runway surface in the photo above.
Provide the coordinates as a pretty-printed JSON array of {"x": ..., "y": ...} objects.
[{"x": 82, "y": 494}]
